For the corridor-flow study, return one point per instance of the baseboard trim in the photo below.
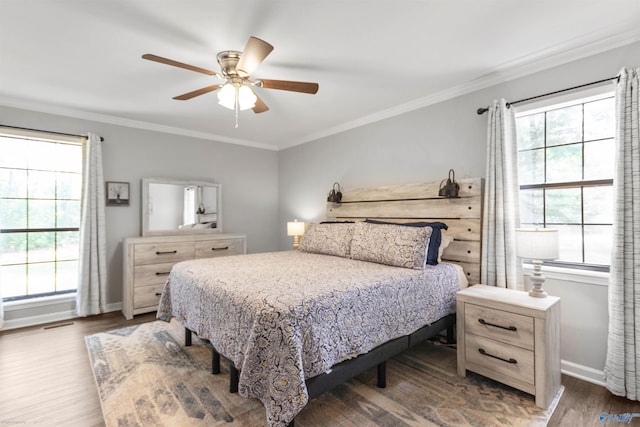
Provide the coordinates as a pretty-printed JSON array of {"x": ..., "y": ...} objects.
[
  {"x": 582, "y": 372},
  {"x": 59, "y": 316}
]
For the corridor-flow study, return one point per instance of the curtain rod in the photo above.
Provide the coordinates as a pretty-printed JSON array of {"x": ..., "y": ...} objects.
[
  {"x": 49, "y": 131},
  {"x": 509, "y": 104}
]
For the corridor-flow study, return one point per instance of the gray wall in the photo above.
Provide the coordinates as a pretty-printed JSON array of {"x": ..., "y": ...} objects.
[
  {"x": 249, "y": 178},
  {"x": 422, "y": 146}
]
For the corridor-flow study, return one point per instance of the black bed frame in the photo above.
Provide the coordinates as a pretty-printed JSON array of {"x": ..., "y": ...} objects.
[{"x": 348, "y": 369}]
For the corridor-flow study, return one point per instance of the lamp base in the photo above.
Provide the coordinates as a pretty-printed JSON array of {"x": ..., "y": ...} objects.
[
  {"x": 296, "y": 242},
  {"x": 538, "y": 293},
  {"x": 537, "y": 279}
]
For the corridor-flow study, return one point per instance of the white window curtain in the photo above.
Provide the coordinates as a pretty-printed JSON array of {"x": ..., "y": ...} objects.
[
  {"x": 501, "y": 215},
  {"x": 622, "y": 367},
  {"x": 92, "y": 269}
]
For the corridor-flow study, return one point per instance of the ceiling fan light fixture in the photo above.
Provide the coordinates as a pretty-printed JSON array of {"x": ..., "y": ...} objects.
[{"x": 227, "y": 96}]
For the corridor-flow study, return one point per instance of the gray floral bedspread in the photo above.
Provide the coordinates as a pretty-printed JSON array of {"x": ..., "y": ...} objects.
[{"x": 283, "y": 317}]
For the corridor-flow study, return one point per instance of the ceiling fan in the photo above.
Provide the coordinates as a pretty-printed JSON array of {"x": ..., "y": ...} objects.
[{"x": 236, "y": 92}]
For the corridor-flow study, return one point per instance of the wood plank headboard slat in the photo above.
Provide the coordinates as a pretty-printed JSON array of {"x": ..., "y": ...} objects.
[{"x": 469, "y": 187}]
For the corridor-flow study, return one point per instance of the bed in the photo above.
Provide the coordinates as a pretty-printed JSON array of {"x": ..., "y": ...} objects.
[{"x": 294, "y": 324}]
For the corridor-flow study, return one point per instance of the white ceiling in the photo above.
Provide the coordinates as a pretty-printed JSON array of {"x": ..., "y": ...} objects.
[{"x": 372, "y": 59}]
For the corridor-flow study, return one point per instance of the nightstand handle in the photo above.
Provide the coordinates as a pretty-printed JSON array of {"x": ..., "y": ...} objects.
[
  {"x": 166, "y": 252},
  {"x": 508, "y": 328},
  {"x": 484, "y": 353},
  {"x": 220, "y": 249}
]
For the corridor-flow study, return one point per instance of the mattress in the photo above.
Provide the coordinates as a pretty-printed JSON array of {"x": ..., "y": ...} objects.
[{"x": 284, "y": 317}]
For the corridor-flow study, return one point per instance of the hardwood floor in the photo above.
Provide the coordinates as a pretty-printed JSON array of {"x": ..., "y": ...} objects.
[
  {"x": 46, "y": 380},
  {"x": 45, "y": 375}
]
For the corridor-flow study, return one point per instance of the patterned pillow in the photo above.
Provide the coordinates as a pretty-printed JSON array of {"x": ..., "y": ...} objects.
[
  {"x": 328, "y": 239},
  {"x": 391, "y": 244},
  {"x": 434, "y": 241}
]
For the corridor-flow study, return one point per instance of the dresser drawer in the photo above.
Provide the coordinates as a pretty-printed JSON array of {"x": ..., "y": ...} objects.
[
  {"x": 151, "y": 274},
  {"x": 503, "y": 362},
  {"x": 147, "y": 296},
  {"x": 163, "y": 252},
  {"x": 503, "y": 326},
  {"x": 219, "y": 247}
]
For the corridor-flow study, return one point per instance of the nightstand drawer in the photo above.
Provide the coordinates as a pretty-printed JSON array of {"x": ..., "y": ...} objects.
[
  {"x": 505, "y": 363},
  {"x": 513, "y": 329}
]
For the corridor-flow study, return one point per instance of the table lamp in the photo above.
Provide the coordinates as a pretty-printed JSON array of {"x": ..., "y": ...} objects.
[
  {"x": 538, "y": 245},
  {"x": 295, "y": 229}
]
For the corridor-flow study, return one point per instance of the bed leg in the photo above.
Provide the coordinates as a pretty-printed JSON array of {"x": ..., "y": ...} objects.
[
  {"x": 382, "y": 375},
  {"x": 234, "y": 378},
  {"x": 215, "y": 362},
  {"x": 451, "y": 336},
  {"x": 187, "y": 337}
]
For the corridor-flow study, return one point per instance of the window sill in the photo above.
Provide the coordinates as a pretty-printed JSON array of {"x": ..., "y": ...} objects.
[
  {"x": 38, "y": 302},
  {"x": 585, "y": 277}
]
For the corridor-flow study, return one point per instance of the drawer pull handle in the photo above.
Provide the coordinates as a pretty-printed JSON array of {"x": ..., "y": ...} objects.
[
  {"x": 220, "y": 249},
  {"x": 508, "y": 328},
  {"x": 162, "y": 273},
  {"x": 158, "y": 294},
  {"x": 166, "y": 252},
  {"x": 483, "y": 352}
]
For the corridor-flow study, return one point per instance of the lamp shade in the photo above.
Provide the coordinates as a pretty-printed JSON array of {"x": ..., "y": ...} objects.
[
  {"x": 295, "y": 228},
  {"x": 537, "y": 243}
]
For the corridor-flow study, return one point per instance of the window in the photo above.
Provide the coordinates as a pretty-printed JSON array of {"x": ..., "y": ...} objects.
[
  {"x": 40, "y": 189},
  {"x": 566, "y": 155}
]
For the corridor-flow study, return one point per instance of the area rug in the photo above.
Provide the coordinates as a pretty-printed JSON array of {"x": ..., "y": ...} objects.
[{"x": 147, "y": 377}]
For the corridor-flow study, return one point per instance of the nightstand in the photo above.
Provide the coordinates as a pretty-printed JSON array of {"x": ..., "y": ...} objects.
[{"x": 510, "y": 337}]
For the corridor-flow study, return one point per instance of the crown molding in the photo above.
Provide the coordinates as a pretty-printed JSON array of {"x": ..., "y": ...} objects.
[
  {"x": 542, "y": 60},
  {"x": 119, "y": 121}
]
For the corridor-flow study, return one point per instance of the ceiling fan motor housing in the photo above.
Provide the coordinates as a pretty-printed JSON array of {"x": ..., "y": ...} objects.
[{"x": 228, "y": 60}]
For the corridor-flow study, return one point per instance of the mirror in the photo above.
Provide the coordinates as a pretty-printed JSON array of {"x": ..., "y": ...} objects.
[{"x": 175, "y": 207}]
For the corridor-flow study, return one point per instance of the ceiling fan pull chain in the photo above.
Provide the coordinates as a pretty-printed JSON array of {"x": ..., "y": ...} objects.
[{"x": 237, "y": 102}]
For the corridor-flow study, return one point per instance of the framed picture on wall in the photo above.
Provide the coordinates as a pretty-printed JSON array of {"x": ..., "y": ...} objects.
[{"x": 117, "y": 193}]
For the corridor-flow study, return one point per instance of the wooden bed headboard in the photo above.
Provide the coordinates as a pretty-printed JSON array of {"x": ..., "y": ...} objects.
[{"x": 420, "y": 202}]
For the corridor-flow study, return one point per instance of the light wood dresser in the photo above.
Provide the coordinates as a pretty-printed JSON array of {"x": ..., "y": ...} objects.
[
  {"x": 148, "y": 261},
  {"x": 510, "y": 337}
]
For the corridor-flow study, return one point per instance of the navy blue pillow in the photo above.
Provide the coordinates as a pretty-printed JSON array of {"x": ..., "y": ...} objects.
[{"x": 434, "y": 241}]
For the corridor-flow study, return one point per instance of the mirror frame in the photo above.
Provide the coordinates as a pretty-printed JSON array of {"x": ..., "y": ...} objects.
[{"x": 145, "y": 207}]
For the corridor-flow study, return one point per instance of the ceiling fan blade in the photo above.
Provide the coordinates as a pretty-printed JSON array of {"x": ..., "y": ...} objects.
[
  {"x": 303, "y": 87},
  {"x": 260, "y": 106},
  {"x": 162, "y": 60},
  {"x": 195, "y": 93},
  {"x": 253, "y": 54}
]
